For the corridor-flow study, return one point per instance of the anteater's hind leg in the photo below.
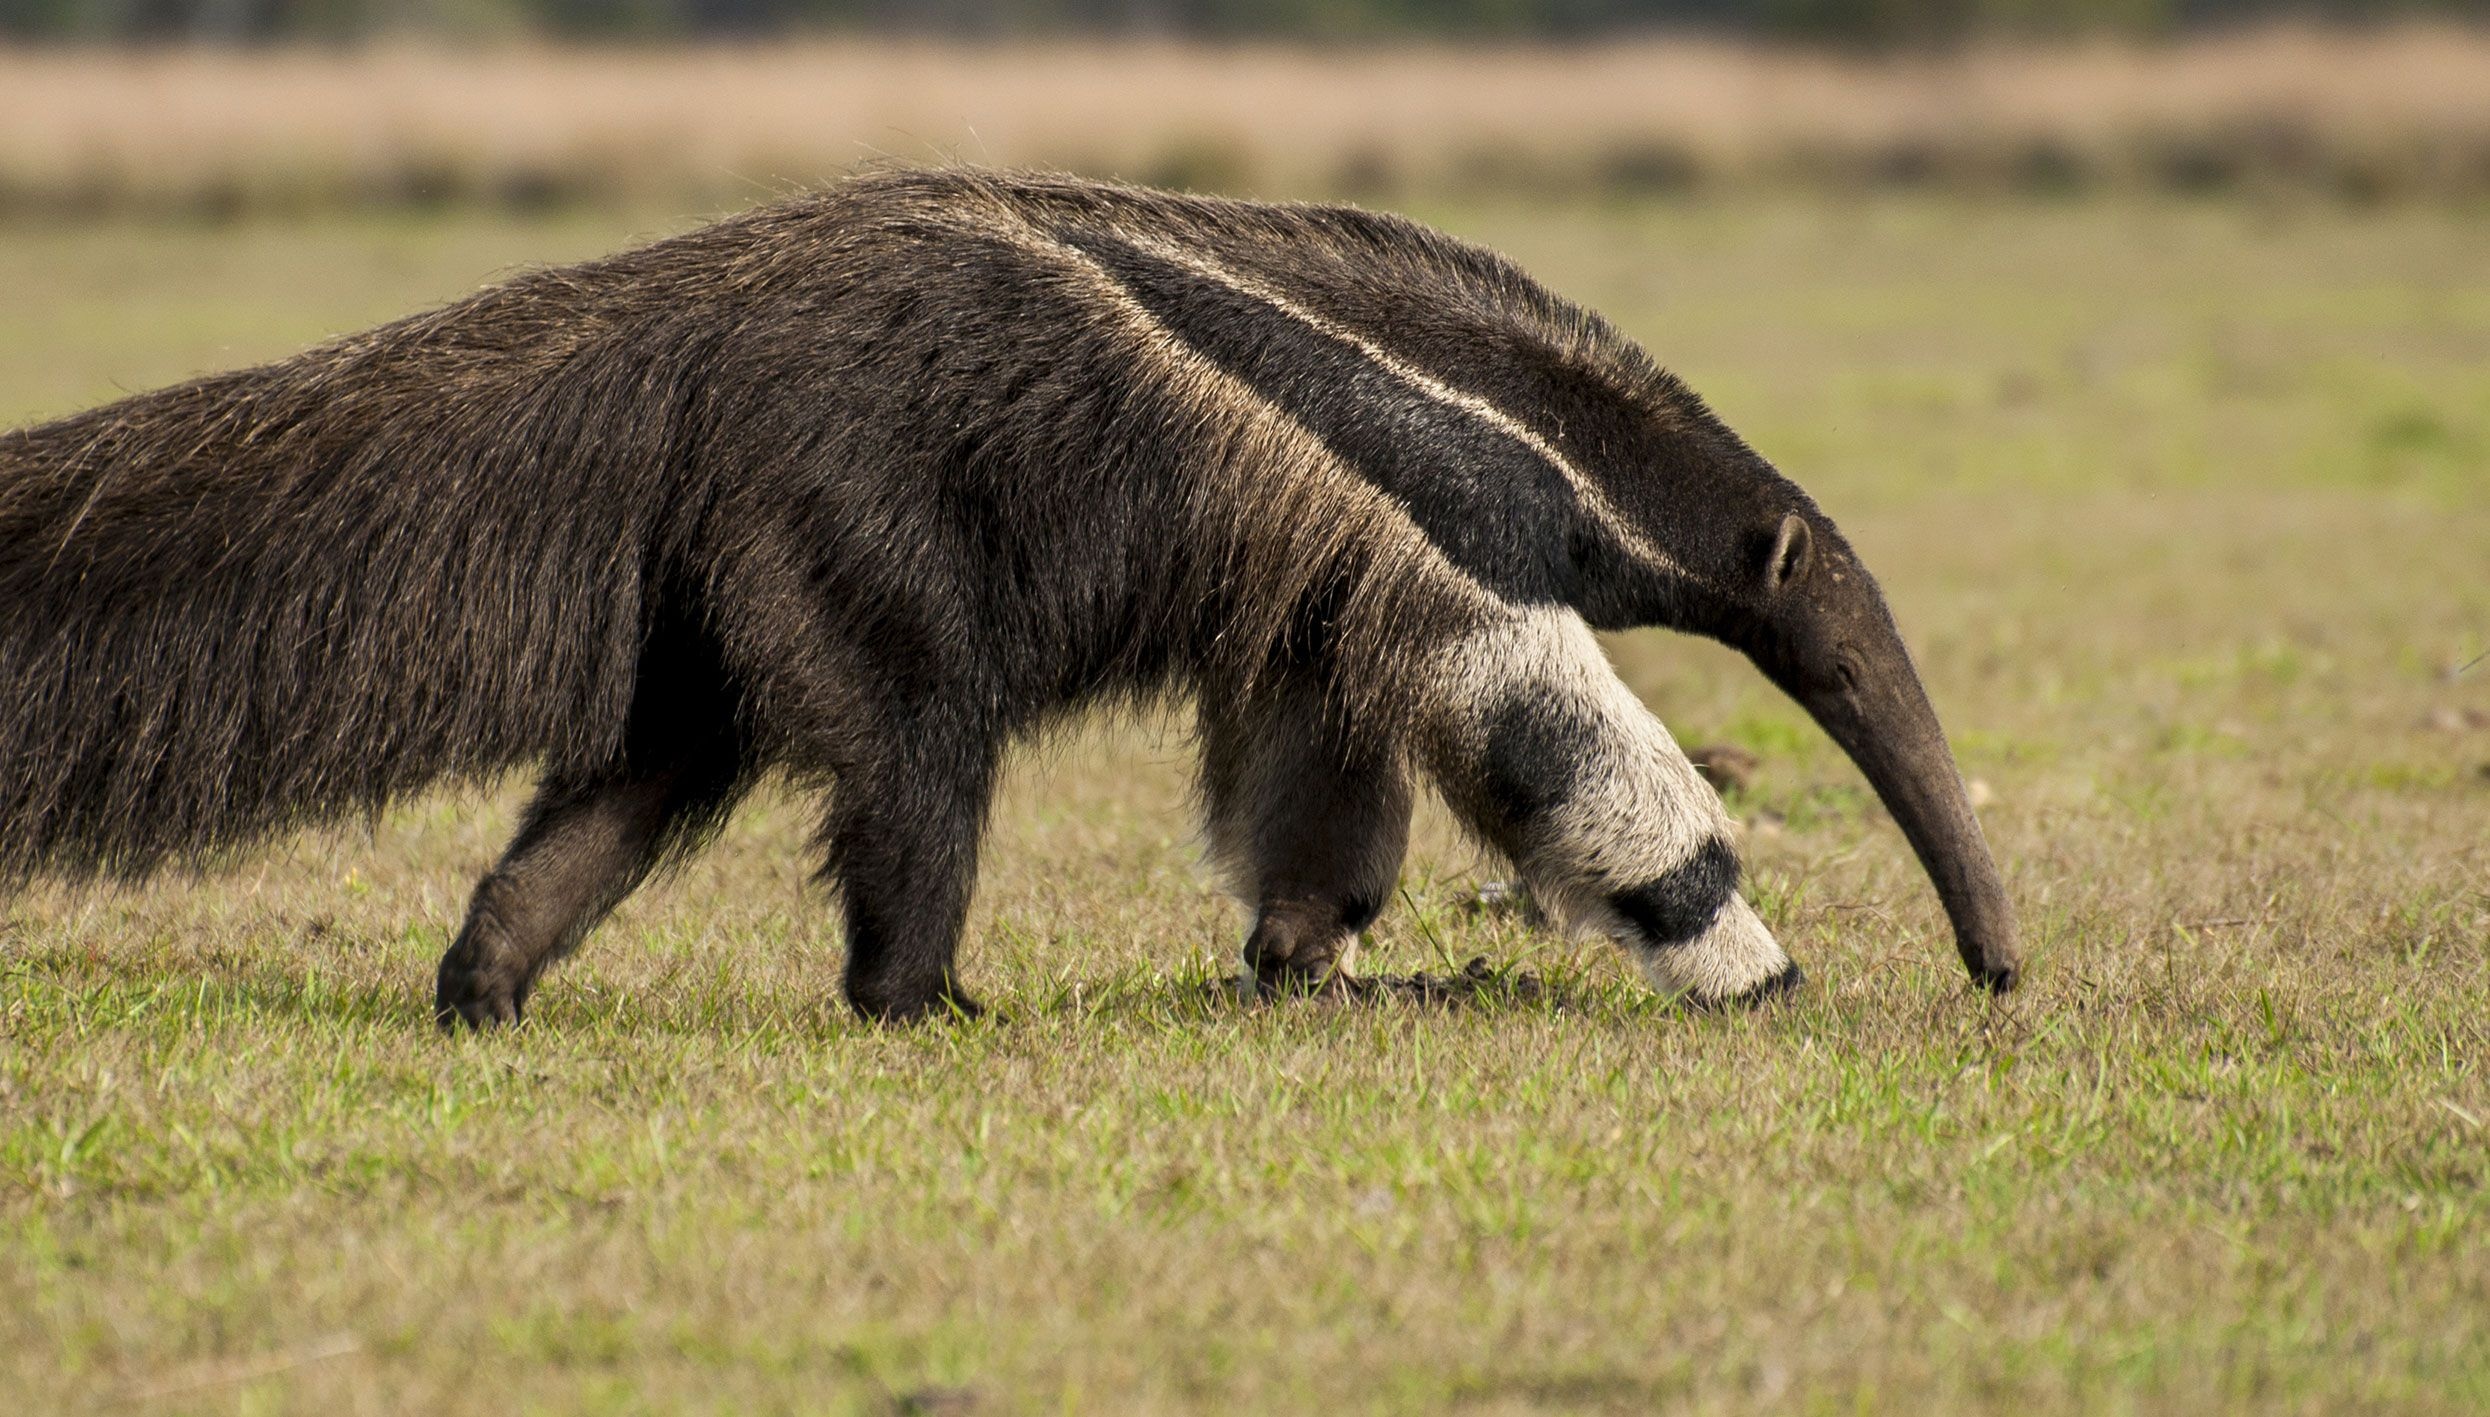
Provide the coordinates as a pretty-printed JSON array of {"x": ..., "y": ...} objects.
[
  {"x": 904, "y": 829},
  {"x": 582, "y": 848},
  {"x": 1308, "y": 827}
]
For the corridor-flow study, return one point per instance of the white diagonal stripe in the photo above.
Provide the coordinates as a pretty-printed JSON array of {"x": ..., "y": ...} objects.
[{"x": 1418, "y": 379}]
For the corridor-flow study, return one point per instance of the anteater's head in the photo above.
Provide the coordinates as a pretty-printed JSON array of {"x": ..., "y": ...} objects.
[{"x": 1716, "y": 542}]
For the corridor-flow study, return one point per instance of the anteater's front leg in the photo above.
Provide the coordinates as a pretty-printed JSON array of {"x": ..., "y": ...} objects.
[
  {"x": 582, "y": 848},
  {"x": 1550, "y": 758},
  {"x": 1308, "y": 827},
  {"x": 904, "y": 832}
]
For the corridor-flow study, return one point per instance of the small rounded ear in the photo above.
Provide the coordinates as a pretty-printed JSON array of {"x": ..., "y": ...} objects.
[{"x": 1792, "y": 547}]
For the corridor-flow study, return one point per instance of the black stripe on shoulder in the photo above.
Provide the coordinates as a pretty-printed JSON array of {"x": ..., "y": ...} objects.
[{"x": 1492, "y": 504}]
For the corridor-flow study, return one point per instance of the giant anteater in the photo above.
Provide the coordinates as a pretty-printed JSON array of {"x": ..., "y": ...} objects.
[{"x": 863, "y": 487}]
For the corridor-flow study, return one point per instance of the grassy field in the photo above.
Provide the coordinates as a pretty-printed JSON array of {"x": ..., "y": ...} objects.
[{"x": 2186, "y": 509}]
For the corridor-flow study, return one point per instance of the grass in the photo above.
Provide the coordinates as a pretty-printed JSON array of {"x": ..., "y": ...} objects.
[
  {"x": 2181, "y": 506},
  {"x": 2366, "y": 113}
]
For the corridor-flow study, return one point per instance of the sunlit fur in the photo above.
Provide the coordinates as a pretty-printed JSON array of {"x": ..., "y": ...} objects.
[{"x": 863, "y": 488}]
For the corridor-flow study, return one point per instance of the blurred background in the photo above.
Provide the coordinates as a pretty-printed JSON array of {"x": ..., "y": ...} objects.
[{"x": 220, "y": 107}]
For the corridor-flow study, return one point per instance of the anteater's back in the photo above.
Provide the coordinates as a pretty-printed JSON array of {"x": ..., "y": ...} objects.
[{"x": 445, "y": 547}]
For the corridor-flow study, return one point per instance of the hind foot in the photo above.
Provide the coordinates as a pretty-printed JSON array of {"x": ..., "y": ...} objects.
[
  {"x": 483, "y": 984},
  {"x": 1294, "y": 952}
]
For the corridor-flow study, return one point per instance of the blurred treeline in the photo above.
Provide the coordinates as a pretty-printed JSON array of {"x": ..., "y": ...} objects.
[{"x": 1875, "y": 21}]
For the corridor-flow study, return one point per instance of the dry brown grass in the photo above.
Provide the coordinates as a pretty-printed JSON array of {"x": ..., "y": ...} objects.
[{"x": 2372, "y": 113}]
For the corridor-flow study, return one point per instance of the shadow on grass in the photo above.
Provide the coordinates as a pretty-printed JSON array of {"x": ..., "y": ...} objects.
[
  {"x": 88, "y": 992},
  {"x": 1194, "y": 997},
  {"x": 1477, "y": 983}
]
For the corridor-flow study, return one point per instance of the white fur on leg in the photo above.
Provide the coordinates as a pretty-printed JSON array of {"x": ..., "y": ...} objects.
[
  {"x": 1735, "y": 957},
  {"x": 1639, "y": 806},
  {"x": 1633, "y": 811}
]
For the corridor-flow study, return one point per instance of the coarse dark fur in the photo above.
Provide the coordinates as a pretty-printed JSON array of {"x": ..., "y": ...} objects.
[{"x": 860, "y": 488}]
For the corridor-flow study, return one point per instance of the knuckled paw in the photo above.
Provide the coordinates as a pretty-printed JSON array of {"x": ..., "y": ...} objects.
[
  {"x": 479, "y": 990},
  {"x": 476, "y": 1007}
]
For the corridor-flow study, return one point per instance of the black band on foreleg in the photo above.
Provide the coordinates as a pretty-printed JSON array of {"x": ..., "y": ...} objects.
[
  {"x": 1535, "y": 753},
  {"x": 1679, "y": 905}
]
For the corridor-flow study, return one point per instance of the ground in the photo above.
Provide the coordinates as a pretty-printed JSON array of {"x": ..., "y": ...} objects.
[{"x": 2182, "y": 508}]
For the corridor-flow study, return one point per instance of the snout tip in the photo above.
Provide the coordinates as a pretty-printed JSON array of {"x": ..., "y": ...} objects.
[{"x": 1999, "y": 977}]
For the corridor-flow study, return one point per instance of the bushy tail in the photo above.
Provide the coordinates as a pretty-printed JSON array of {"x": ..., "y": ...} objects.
[{"x": 299, "y": 591}]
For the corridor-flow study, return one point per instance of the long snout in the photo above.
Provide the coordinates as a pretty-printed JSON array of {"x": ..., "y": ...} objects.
[{"x": 1886, "y": 724}]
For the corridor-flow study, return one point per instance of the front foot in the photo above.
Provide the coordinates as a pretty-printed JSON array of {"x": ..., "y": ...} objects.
[
  {"x": 1788, "y": 981},
  {"x": 1733, "y": 963},
  {"x": 483, "y": 984}
]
